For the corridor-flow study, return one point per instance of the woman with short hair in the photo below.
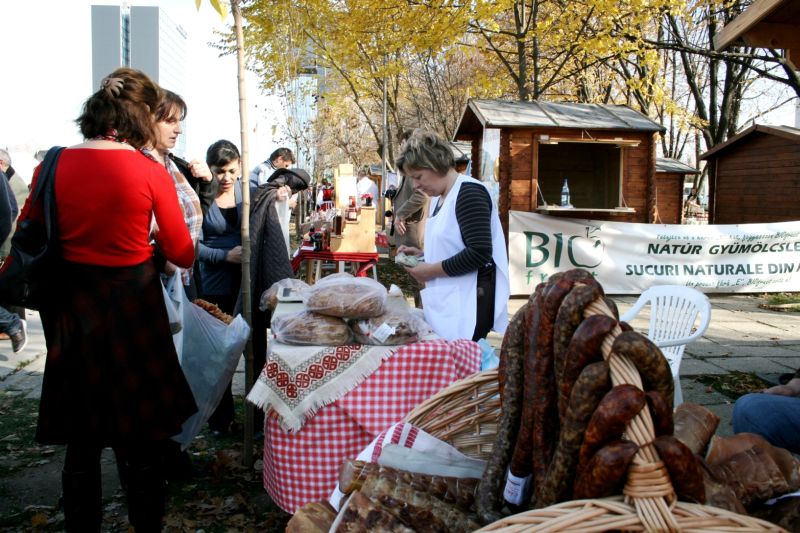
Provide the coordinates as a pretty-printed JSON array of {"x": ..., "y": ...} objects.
[{"x": 465, "y": 267}]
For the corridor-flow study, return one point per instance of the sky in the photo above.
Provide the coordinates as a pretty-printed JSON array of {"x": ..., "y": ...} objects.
[{"x": 47, "y": 67}]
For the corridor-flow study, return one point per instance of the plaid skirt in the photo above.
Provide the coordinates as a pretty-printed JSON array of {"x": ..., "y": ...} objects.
[{"x": 111, "y": 374}]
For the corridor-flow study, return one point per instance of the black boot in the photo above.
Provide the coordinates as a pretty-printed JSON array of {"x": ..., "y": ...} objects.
[
  {"x": 82, "y": 499},
  {"x": 146, "y": 498}
]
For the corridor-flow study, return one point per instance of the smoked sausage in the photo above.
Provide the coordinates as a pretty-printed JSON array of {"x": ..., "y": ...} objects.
[
  {"x": 648, "y": 359},
  {"x": 605, "y": 473},
  {"x": 662, "y": 414},
  {"x": 683, "y": 467},
  {"x": 591, "y": 386},
  {"x": 488, "y": 497},
  {"x": 616, "y": 409},
  {"x": 569, "y": 317},
  {"x": 584, "y": 348}
]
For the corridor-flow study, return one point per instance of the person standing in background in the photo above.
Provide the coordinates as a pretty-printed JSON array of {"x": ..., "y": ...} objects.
[
  {"x": 11, "y": 325},
  {"x": 20, "y": 191},
  {"x": 280, "y": 158},
  {"x": 365, "y": 185},
  {"x": 112, "y": 377},
  {"x": 286, "y": 201},
  {"x": 169, "y": 115},
  {"x": 220, "y": 252}
]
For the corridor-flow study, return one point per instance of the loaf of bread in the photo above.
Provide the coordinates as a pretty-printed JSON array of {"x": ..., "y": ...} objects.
[
  {"x": 309, "y": 328},
  {"x": 395, "y": 326},
  {"x": 346, "y": 297}
]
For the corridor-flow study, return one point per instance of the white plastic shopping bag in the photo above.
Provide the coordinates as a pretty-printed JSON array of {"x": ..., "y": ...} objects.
[{"x": 209, "y": 352}]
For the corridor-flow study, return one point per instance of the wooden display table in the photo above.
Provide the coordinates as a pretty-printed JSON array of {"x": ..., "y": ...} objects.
[{"x": 362, "y": 263}]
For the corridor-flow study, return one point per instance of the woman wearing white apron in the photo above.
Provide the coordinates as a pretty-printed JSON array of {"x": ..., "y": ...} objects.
[{"x": 465, "y": 270}]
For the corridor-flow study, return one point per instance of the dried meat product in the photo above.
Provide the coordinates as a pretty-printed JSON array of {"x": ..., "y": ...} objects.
[
  {"x": 591, "y": 386},
  {"x": 453, "y": 518},
  {"x": 417, "y": 518},
  {"x": 456, "y": 491},
  {"x": 395, "y": 326},
  {"x": 605, "y": 473},
  {"x": 570, "y": 316},
  {"x": 362, "y": 515},
  {"x": 346, "y": 297},
  {"x": 314, "y": 517},
  {"x": 520, "y": 469},
  {"x": 615, "y": 410},
  {"x": 653, "y": 367},
  {"x": 718, "y": 493},
  {"x": 269, "y": 298},
  {"x": 489, "y": 497},
  {"x": 683, "y": 468},
  {"x": 584, "y": 348},
  {"x": 722, "y": 448},
  {"x": 308, "y": 328},
  {"x": 694, "y": 426},
  {"x": 662, "y": 414},
  {"x": 213, "y": 310},
  {"x": 753, "y": 476}
]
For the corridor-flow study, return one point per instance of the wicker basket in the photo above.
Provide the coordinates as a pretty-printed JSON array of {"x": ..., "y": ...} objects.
[{"x": 466, "y": 414}]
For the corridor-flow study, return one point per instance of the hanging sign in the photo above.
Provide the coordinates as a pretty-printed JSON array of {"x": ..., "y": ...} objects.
[{"x": 628, "y": 258}]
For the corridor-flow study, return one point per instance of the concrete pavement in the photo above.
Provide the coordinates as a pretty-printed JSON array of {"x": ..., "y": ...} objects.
[{"x": 741, "y": 337}]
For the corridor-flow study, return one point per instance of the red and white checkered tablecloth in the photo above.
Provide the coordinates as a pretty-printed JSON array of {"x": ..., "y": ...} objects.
[{"x": 303, "y": 466}]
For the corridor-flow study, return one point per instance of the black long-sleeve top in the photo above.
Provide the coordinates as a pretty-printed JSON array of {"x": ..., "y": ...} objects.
[{"x": 473, "y": 212}]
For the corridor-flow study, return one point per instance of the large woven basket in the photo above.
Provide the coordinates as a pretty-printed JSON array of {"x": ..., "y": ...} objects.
[{"x": 466, "y": 414}]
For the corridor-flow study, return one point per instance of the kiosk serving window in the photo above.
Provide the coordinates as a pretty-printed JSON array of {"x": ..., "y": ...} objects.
[{"x": 593, "y": 172}]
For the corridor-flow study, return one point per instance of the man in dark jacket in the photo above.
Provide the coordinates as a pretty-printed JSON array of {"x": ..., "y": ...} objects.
[{"x": 10, "y": 323}]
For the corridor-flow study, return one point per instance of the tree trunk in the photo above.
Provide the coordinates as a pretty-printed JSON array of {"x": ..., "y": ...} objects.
[{"x": 249, "y": 373}]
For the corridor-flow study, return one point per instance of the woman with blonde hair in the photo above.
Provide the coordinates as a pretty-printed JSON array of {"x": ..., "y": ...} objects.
[{"x": 112, "y": 377}]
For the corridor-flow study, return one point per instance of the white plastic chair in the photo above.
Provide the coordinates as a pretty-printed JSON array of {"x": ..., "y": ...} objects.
[{"x": 673, "y": 312}]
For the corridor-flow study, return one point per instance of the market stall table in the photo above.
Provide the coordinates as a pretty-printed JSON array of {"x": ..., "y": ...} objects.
[
  {"x": 302, "y": 465},
  {"x": 362, "y": 262}
]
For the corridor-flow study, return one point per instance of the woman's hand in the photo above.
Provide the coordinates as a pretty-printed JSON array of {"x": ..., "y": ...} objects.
[
  {"x": 169, "y": 268},
  {"x": 400, "y": 226},
  {"x": 424, "y": 272},
  {"x": 200, "y": 170},
  {"x": 234, "y": 255},
  {"x": 284, "y": 193},
  {"x": 409, "y": 250}
]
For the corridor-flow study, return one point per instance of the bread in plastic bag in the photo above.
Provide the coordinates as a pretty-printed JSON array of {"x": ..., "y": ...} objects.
[
  {"x": 346, "y": 297},
  {"x": 395, "y": 326},
  {"x": 309, "y": 328},
  {"x": 269, "y": 298}
]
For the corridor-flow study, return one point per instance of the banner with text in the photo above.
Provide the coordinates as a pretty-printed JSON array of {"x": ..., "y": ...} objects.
[{"x": 628, "y": 258}]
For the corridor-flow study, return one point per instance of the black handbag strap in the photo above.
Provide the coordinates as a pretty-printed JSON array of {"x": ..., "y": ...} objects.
[{"x": 45, "y": 186}]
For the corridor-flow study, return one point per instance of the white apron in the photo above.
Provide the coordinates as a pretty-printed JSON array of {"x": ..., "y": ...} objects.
[{"x": 449, "y": 303}]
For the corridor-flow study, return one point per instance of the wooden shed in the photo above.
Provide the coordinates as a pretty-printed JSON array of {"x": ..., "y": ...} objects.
[
  {"x": 765, "y": 24},
  {"x": 607, "y": 153},
  {"x": 755, "y": 176},
  {"x": 670, "y": 177}
]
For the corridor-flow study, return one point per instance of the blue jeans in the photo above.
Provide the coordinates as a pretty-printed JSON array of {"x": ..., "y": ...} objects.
[
  {"x": 776, "y": 418},
  {"x": 9, "y": 322}
]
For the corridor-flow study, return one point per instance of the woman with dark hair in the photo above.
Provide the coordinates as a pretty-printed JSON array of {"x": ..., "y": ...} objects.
[
  {"x": 112, "y": 376},
  {"x": 465, "y": 270},
  {"x": 220, "y": 251}
]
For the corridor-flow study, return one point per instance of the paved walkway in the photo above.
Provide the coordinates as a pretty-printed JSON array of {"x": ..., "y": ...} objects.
[{"x": 741, "y": 337}]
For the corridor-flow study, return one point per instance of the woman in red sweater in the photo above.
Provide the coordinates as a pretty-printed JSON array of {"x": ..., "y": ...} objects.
[{"x": 112, "y": 377}]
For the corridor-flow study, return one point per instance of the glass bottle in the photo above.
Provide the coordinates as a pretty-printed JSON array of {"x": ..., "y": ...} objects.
[{"x": 565, "y": 195}]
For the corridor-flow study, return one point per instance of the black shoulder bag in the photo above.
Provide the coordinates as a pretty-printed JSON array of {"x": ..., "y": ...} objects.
[{"x": 26, "y": 275}]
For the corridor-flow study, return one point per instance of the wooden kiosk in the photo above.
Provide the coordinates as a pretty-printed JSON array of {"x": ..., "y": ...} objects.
[{"x": 606, "y": 152}]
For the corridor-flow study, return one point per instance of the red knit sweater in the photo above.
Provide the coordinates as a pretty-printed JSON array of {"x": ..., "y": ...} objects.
[{"x": 105, "y": 200}]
